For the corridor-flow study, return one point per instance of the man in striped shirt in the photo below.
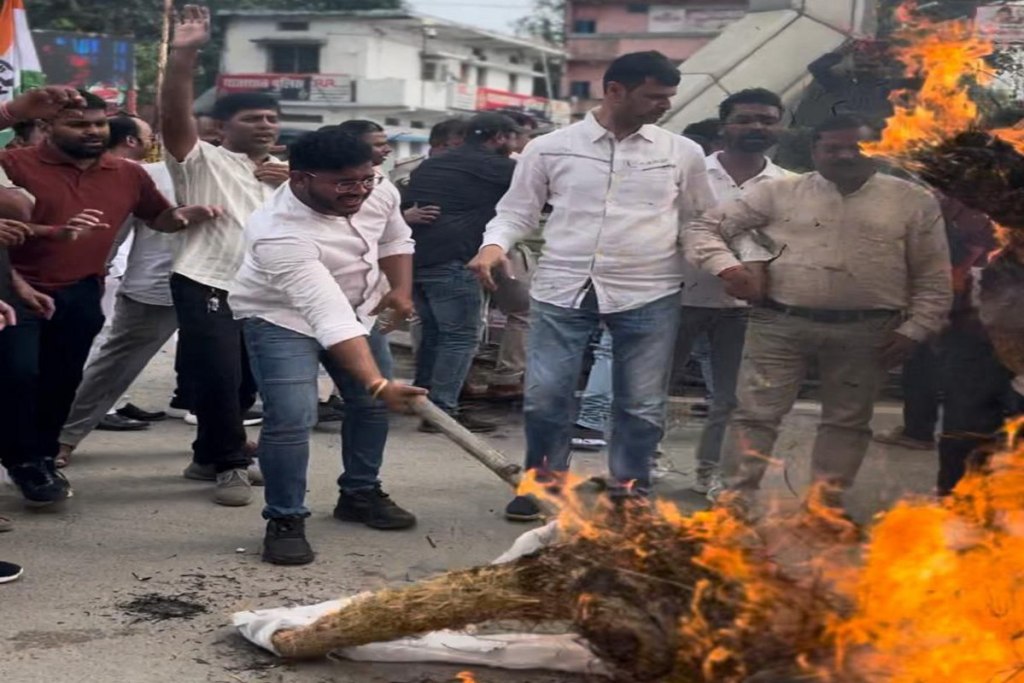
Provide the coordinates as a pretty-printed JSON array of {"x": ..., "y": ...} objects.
[{"x": 239, "y": 175}]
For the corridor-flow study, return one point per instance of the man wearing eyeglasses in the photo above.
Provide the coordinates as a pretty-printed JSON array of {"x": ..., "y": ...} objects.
[{"x": 314, "y": 277}]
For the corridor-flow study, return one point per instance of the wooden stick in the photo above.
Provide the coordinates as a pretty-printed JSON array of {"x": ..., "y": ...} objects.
[
  {"x": 492, "y": 459},
  {"x": 161, "y": 57}
]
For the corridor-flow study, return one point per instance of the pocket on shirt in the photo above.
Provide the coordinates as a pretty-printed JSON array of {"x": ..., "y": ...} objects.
[{"x": 653, "y": 186}]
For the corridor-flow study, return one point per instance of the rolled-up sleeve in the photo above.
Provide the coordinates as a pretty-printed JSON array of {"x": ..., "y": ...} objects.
[
  {"x": 294, "y": 267},
  {"x": 929, "y": 273},
  {"x": 707, "y": 238},
  {"x": 518, "y": 212}
]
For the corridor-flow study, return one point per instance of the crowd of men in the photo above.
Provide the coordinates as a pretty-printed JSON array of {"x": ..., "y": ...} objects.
[{"x": 650, "y": 243}]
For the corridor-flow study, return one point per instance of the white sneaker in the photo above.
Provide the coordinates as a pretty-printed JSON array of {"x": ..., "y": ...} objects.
[
  {"x": 191, "y": 419},
  {"x": 660, "y": 468},
  {"x": 716, "y": 488},
  {"x": 176, "y": 413}
]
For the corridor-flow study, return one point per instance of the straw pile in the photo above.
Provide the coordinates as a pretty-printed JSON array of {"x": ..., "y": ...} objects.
[{"x": 659, "y": 597}]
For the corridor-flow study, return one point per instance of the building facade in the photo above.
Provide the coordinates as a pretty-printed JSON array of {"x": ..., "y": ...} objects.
[
  {"x": 402, "y": 70},
  {"x": 598, "y": 31}
]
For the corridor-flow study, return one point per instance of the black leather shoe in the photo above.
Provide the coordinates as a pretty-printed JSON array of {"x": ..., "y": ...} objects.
[
  {"x": 119, "y": 423},
  {"x": 133, "y": 412},
  {"x": 40, "y": 483}
]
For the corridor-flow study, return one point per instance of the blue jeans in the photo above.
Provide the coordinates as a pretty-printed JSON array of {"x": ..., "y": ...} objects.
[
  {"x": 596, "y": 403},
  {"x": 448, "y": 301},
  {"x": 725, "y": 329},
  {"x": 642, "y": 344},
  {"x": 285, "y": 365}
]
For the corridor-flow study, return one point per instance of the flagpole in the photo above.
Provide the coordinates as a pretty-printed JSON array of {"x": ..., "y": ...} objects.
[{"x": 161, "y": 58}]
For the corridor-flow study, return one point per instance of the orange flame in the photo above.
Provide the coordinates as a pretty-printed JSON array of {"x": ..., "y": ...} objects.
[
  {"x": 950, "y": 57},
  {"x": 465, "y": 677}
]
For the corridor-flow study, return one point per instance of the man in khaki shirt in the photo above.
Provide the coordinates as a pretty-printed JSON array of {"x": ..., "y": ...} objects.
[{"x": 862, "y": 276}]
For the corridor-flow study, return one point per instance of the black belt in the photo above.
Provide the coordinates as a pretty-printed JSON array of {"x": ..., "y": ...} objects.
[{"x": 829, "y": 315}]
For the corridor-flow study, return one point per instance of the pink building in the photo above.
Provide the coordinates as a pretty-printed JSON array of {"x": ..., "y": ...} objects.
[{"x": 598, "y": 31}]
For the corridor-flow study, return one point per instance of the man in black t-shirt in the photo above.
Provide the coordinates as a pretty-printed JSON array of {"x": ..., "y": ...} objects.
[{"x": 465, "y": 184}]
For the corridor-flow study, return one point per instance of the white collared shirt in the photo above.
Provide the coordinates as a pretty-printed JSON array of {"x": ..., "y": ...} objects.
[
  {"x": 617, "y": 210},
  {"x": 701, "y": 288},
  {"x": 315, "y": 274},
  {"x": 210, "y": 254}
]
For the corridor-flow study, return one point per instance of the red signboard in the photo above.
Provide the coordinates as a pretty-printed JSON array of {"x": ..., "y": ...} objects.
[{"x": 489, "y": 98}]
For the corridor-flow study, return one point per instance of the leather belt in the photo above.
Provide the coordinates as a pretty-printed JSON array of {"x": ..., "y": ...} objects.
[{"x": 830, "y": 315}]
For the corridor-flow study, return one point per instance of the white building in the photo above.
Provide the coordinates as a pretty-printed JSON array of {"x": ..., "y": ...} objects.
[{"x": 405, "y": 71}]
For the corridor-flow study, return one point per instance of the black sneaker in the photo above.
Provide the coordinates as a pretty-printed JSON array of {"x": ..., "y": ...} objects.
[
  {"x": 41, "y": 484},
  {"x": 374, "y": 508},
  {"x": 133, "y": 412},
  {"x": 10, "y": 572},
  {"x": 522, "y": 509},
  {"x": 473, "y": 424},
  {"x": 285, "y": 542}
]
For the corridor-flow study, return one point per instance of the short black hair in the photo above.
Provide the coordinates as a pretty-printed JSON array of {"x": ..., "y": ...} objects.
[
  {"x": 122, "y": 127},
  {"x": 328, "y": 149},
  {"x": 487, "y": 126},
  {"x": 522, "y": 119},
  {"x": 445, "y": 130},
  {"x": 92, "y": 102},
  {"x": 361, "y": 127},
  {"x": 749, "y": 96},
  {"x": 227, "y": 106},
  {"x": 704, "y": 133},
  {"x": 633, "y": 69},
  {"x": 838, "y": 122}
]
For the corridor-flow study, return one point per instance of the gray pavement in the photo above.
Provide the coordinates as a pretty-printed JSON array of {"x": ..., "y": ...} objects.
[{"x": 137, "y": 533}]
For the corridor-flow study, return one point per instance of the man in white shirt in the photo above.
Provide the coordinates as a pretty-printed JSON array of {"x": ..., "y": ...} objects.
[
  {"x": 864, "y": 278},
  {"x": 620, "y": 189},
  {"x": 239, "y": 176},
  {"x": 750, "y": 123},
  {"x": 314, "y": 277}
]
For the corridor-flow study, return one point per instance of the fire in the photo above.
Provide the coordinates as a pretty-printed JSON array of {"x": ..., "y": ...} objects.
[
  {"x": 949, "y": 56},
  {"x": 465, "y": 677}
]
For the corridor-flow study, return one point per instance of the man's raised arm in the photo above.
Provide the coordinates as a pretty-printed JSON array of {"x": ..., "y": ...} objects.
[{"x": 177, "y": 125}]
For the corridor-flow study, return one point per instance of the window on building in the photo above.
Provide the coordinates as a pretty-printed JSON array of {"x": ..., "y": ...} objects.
[
  {"x": 513, "y": 82},
  {"x": 294, "y": 59},
  {"x": 464, "y": 72},
  {"x": 481, "y": 76},
  {"x": 637, "y": 8},
  {"x": 417, "y": 124},
  {"x": 429, "y": 71},
  {"x": 580, "y": 89},
  {"x": 584, "y": 26},
  {"x": 392, "y": 121},
  {"x": 293, "y": 26},
  {"x": 515, "y": 59}
]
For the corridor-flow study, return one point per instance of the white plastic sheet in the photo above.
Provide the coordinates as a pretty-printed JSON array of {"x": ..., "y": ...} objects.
[{"x": 564, "y": 653}]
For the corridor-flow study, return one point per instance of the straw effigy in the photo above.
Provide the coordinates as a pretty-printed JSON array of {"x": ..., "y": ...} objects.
[{"x": 658, "y": 597}]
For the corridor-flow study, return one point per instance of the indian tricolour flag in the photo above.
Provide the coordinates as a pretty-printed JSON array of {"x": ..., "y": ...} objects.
[{"x": 19, "y": 63}]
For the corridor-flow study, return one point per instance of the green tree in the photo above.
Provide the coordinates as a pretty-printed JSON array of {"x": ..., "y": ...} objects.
[{"x": 142, "y": 19}]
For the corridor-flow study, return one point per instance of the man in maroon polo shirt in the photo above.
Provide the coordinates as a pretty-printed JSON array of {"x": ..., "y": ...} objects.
[{"x": 80, "y": 192}]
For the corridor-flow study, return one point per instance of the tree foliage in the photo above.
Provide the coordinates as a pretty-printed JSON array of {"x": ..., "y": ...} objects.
[
  {"x": 142, "y": 19},
  {"x": 546, "y": 22}
]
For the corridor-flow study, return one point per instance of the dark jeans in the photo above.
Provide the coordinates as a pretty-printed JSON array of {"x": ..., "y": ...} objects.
[
  {"x": 448, "y": 302},
  {"x": 41, "y": 363},
  {"x": 921, "y": 394},
  {"x": 285, "y": 365},
  {"x": 214, "y": 359},
  {"x": 976, "y": 388},
  {"x": 726, "y": 330}
]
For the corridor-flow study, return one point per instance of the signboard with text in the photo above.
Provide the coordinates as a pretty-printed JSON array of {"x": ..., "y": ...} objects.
[
  {"x": 675, "y": 19},
  {"x": 324, "y": 88},
  {"x": 489, "y": 98}
]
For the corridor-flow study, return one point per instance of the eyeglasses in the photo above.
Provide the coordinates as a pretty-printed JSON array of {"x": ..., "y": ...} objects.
[{"x": 351, "y": 186}]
